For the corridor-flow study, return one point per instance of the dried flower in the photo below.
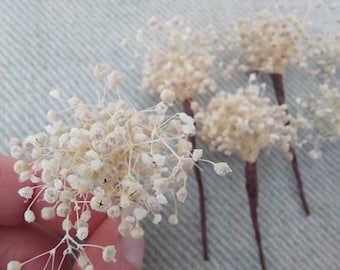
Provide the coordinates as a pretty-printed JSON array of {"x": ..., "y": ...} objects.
[
  {"x": 112, "y": 159},
  {"x": 184, "y": 65},
  {"x": 182, "y": 61},
  {"x": 101, "y": 70},
  {"x": 318, "y": 118},
  {"x": 244, "y": 123},
  {"x": 269, "y": 41},
  {"x": 14, "y": 265},
  {"x": 109, "y": 254}
]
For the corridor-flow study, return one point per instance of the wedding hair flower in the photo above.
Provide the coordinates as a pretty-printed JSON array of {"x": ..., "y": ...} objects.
[
  {"x": 109, "y": 158},
  {"x": 245, "y": 123},
  {"x": 269, "y": 41},
  {"x": 178, "y": 58}
]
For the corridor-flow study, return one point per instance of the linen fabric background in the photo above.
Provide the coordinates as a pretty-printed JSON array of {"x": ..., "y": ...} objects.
[{"x": 47, "y": 44}]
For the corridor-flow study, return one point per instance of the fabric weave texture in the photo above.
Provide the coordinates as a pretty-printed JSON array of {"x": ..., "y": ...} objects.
[{"x": 46, "y": 44}]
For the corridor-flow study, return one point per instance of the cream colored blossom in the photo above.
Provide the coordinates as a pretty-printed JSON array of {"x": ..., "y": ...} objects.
[
  {"x": 244, "y": 123},
  {"x": 269, "y": 41},
  {"x": 318, "y": 118},
  {"x": 179, "y": 59},
  {"x": 108, "y": 158}
]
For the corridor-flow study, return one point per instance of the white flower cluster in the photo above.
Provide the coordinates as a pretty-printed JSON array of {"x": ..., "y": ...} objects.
[
  {"x": 326, "y": 62},
  {"x": 270, "y": 41},
  {"x": 112, "y": 159},
  {"x": 178, "y": 58},
  {"x": 244, "y": 123},
  {"x": 319, "y": 118}
]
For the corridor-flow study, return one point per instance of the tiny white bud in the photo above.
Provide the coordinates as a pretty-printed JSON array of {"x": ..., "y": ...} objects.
[
  {"x": 252, "y": 78},
  {"x": 82, "y": 261},
  {"x": 140, "y": 213},
  {"x": 188, "y": 164},
  {"x": 153, "y": 204},
  {"x": 20, "y": 166},
  {"x": 52, "y": 116},
  {"x": 124, "y": 201},
  {"x": 100, "y": 203},
  {"x": 29, "y": 216},
  {"x": 34, "y": 179},
  {"x": 82, "y": 233},
  {"x": 26, "y": 192},
  {"x": 66, "y": 225},
  {"x": 161, "y": 198},
  {"x": 113, "y": 79},
  {"x": 314, "y": 154},
  {"x": 14, "y": 142},
  {"x": 160, "y": 184},
  {"x": 153, "y": 22},
  {"x": 137, "y": 233},
  {"x": 197, "y": 154},
  {"x": 181, "y": 194},
  {"x": 96, "y": 164},
  {"x": 113, "y": 211},
  {"x": 63, "y": 209},
  {"x": 84, "y": 170},
  {"x": 168, "y": 96},
  {"x": 189, "y": 129},
  {"x": 14, "y": 265},
  {"x": 173, "y": 219},
  {"x": 186, "y": 119},
  {"x": 17, "y": 151},
  {"x": 125, "y": 228},
  {"x": 101, "y": 70},
  {"x": 156, "y": 219},
  {"x": 130, "y": 219},
  {"x": 89, "y": 267},
  {"x": 48, "y": 213},
  {"x": 221, "y": 168},
  {"x": 25, "y": 175},
  {"x": 109, "y": 254},
  {"x": 51, "y": 195},
  {"x": 55, "y": 94},
  {"x": 66, "y": 196}
]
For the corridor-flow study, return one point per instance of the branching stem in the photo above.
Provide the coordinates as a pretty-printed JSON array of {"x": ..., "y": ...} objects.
[{"x": 277, "y": 80}]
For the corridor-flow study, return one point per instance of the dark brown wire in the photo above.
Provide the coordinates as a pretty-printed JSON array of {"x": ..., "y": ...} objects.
[{"x": 192, "y": 139}]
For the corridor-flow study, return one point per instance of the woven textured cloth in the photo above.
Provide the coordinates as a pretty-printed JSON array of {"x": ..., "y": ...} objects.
[{"x": 46, "y": 44}]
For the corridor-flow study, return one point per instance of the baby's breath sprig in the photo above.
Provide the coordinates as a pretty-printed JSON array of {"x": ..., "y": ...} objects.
[
  {"x": 319, "y": 118},
  {"x": 108, "y": 158},
  {"x": 270, "y": 42},
  {"x": 178, "y": 58},
  {"x": 182, "y": 60},
  {"x": 245, "y": 123}
]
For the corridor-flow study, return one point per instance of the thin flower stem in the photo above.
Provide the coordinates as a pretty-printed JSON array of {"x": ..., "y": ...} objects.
[
  {"x": 295, "y": 166},
  {"x": 253, "y": 193},
  {"x": 192, "y": 139},
  {"x": 277, "y": 80}
]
